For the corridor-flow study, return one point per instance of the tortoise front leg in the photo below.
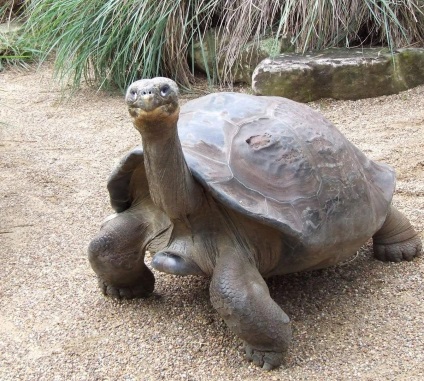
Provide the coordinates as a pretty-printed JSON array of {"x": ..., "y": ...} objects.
[
  {"x": 241, "y": 297},
  {"x": 117, "y": 252}
]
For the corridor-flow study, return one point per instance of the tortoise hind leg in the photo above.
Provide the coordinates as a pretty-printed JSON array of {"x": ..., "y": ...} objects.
[
  {"x": 176, "y": 258},
  {"x": 396, "y": 240},
  {"x": 241, "y": 296}
]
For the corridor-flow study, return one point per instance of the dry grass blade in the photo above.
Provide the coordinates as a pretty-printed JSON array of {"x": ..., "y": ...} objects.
[{"x": 114, "y": 42}]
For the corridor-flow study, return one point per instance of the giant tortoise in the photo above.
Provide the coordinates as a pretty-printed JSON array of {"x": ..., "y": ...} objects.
[{"x": 240, "y": 188}]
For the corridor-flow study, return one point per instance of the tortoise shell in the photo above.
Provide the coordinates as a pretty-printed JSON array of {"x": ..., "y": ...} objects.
[{"x": 285, "y": 165}]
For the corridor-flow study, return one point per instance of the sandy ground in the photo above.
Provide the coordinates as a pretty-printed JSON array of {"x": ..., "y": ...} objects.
[{"x": 359, "y": 321}]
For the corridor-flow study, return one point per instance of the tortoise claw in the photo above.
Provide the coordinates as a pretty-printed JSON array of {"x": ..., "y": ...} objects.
[
  {"x": 399, "y": 251},
  {"x": 136, "y": 291},
  {"x": 268, "y": 360}
]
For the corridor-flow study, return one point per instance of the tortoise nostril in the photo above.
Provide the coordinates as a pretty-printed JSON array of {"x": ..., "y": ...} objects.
[{"x": 147, "y": 92}]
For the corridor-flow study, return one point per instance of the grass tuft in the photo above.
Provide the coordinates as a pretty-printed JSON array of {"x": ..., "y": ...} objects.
[
  {"x": 113, "y": 42},
  {"x": 14, "y": 48}
]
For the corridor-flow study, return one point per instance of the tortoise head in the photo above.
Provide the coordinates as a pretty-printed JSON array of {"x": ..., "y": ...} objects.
[{"x": 153, "y": 103}]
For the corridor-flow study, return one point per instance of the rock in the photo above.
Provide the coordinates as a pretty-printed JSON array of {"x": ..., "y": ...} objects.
[
  {"x": 203, "y": 54},
  {"x": 340, "y": 73}
]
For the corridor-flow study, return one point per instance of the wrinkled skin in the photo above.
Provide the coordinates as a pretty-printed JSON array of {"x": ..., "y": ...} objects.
[{"x": 195, "y": 226}]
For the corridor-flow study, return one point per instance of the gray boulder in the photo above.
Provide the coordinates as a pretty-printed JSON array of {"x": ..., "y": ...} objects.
[
  {"x": 204, "y": 56},
  {"x": 340, "y": 74}
]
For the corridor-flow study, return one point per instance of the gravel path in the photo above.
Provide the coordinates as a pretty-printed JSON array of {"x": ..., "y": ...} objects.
[{"x": 358, "y": 321}]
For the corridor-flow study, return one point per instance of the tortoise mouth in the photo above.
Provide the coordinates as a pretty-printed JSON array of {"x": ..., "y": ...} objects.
[
  {"x": 155, "y": 120},
  {"x": 137, "y": 112},
  {"x": 152, "y": 110},
  {"x": 144, "y": 103}
]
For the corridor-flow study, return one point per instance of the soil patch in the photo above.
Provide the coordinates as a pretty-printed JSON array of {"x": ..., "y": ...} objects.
[{"x": 359, "y": 321}]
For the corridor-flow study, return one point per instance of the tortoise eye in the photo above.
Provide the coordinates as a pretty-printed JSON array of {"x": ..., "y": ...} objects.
[
  {"x": 132, "y": 96},
  {"x": 164, "y": 90}
]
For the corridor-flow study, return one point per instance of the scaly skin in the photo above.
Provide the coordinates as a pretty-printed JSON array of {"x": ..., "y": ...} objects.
[
  {"x": 206, "y": 238},
  {"x": 396, "y": 240},
  {"x": 117, "y": 253},
  {"x": 241, "y": 296}
]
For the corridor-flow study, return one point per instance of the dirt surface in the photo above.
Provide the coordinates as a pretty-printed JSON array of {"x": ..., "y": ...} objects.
[{"x": 358, "y": 321}]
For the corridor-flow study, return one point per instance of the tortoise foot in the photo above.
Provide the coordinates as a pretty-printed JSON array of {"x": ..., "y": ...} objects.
[
  {"x": 399, "y": 251},
  {"x": 267, "y": 360},
  {"x": 137, "y": 291},
  {"x": 396, "y": 240}
]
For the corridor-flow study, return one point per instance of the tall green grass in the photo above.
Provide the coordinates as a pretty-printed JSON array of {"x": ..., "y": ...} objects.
[
  {"x": 116, "y": 41},
  {"x": 10, "y": 9},
  {"x": 14, "y": 49},
  {"x": 11, "y": 54}
]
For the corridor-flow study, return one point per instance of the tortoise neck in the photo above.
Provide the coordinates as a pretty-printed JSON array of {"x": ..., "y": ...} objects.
[{"x": 171, "y": 184}]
